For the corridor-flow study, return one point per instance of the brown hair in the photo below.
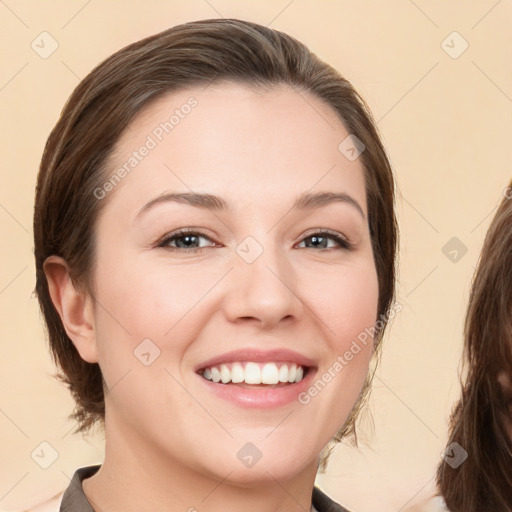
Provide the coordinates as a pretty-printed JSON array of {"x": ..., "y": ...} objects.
[
  {"x": 483, "y": 482},
  {"x": 103, "y": 104}
]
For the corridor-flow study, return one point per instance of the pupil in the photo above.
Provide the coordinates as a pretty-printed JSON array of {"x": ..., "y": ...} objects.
[
  {"x": 318, "y": 239},
  {"x": 188, "y": 240}
]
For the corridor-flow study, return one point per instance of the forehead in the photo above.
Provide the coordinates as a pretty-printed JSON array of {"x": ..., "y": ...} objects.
[{"x": 228, "y": 139}]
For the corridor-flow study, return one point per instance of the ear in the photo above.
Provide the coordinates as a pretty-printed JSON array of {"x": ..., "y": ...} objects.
[{"x": 74, "y": 307}]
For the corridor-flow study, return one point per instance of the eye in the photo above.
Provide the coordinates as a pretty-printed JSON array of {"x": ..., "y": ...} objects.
[
  {"x": 321, "y": 239},
  {"x": 190, "y": 241},
  {"x": 185, "y": 239}
]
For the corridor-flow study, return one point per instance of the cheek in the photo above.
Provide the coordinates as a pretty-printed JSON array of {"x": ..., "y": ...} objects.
[
  {"x": 347, "y": 307},
  {"x": 149, "y": 300},
  {"x": 153, "y": 309},
  {"x": 347, "y": 302}
]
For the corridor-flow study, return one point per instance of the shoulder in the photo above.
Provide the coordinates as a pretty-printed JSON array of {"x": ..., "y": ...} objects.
[
  {"x": 323, "y": 503},
  {"x": 74, "y": 499},
  {"x": 52, "y": 505},
  {"x": 434, "y": 504}
]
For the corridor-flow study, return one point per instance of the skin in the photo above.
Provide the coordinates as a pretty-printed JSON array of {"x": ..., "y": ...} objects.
[{"x": 171, "y": 444}]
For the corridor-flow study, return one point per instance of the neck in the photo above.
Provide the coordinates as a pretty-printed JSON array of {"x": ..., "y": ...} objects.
[{"x": 130, "y": 481}]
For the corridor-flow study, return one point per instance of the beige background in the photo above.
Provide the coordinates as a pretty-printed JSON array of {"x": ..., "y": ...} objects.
[{"x": 446, "y": 124}]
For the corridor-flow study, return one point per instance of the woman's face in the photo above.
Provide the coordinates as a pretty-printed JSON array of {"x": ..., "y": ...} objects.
[{"x": 256, "y": 288}]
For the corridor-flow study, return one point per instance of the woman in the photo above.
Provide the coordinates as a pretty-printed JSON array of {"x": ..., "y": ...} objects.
[
  {"x": 476, "y": 472},
  {"x": 215, "y": 237}
]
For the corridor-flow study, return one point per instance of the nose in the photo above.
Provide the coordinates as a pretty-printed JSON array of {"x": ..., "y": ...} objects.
[{"x": 263, "y": 291}]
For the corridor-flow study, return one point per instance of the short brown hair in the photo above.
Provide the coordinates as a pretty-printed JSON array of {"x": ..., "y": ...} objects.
[
  {"x": 483, "y": 482},
  {"x": 106, "y": 101}
]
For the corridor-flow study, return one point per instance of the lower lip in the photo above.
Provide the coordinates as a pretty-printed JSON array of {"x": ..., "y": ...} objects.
[{"x": 260, "y": 397}]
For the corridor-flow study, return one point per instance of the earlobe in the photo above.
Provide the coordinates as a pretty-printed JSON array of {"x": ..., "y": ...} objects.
[{"x": 74, "y": 307}]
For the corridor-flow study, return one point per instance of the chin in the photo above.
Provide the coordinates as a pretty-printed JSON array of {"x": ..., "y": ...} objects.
[
  {"x": 264, "y": 472},
  {"x": 250, "y": 466}
]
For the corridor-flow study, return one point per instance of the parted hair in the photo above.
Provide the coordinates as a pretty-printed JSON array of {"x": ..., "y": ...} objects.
[{"x": 104, "y": 103}]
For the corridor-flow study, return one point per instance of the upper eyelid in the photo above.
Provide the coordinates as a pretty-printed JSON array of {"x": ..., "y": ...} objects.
[
  {"x": 315, "y": 231},
  {"x": 325, "y": 231},
  {"x": 177, "y": 234}
]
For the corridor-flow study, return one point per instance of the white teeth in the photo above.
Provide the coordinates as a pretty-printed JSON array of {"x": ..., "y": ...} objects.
[
  {"x": 252, "y": 373},
  {"x": 237, "y": 373},
  {"x": 255, "y": 373},
  {"x": 225, "y": 374},
  {"x": 270, "y": 374},
  {"x": 283, "y": 373},
  {"x": 215, "y": 374},
  {"x": 292, "y": 373}
]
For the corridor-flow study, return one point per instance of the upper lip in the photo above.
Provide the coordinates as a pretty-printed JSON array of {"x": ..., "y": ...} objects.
[{"x": 275, "y": 355}]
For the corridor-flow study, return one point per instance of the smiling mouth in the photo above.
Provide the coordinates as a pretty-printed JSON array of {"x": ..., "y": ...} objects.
[{"x": 253, "y": 374}]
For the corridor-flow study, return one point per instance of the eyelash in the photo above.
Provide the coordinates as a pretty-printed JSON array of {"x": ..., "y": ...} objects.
[{"x": 342, "y": 242}]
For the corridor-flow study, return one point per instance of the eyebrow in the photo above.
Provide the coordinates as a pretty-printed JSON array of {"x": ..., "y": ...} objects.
[{"x": 305, "y": 201}]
